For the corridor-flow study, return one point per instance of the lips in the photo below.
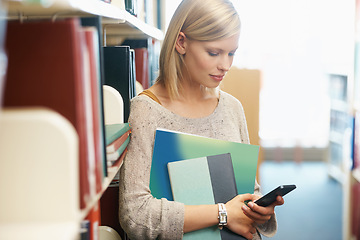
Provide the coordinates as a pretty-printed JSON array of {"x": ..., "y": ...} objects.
[{"x": 217, "y": 77}]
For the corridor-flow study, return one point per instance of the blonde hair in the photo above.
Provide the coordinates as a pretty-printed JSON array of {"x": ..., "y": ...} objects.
[{"x": 217, "y": 20}]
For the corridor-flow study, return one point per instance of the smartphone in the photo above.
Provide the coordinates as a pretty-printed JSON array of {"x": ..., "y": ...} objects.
[{"x": 270, "y": 197}]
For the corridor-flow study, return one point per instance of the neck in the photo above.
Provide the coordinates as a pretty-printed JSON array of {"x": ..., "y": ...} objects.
[{"x": 193, "y": 92}]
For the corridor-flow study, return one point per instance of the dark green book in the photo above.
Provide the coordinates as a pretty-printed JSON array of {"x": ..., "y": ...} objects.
[{"x": 117, "y": 69}]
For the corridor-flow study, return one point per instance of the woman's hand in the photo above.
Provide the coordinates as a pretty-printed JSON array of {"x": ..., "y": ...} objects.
[
  {"x": 238, "y": 221},
  {"x": 259, "y": 214}
]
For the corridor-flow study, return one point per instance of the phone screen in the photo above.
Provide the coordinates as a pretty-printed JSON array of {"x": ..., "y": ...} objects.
[{"x": 270, "y": 197}]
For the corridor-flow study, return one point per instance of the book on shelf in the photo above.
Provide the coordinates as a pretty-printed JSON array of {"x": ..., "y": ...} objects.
[
  {"x": 203, "y": 181},
  {"x": 97, "y": 23},
  {"x": 356, "y": 141},
  {"x": 94, "y": 218},
  {"x": 131, "y": 7},
  {"x": 85, "y": 230},
  {"x": 119, "y": 162},
  {"x": 144, "y": 60},
  {"x": 142, "y": 67},
  {"x": 113, "y": 156},
  {"x": 117, "y": 69},
  {"x": 91, "y": 36},
  {"x": 151, "y": 12},
  {"x": 115, "y": 131},
  {"x": 117, "y": 139},
  {"x": 3, "y": 56},
  {"x": 132, "y": 73},
  {"x": 57, "y": 79},
  {"x": 173, "y": 146},
  {"x": 355, "y": 210},
  {"x": 112, "y": 147}
]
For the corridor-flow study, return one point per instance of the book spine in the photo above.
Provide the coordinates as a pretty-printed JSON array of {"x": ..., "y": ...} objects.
[
  {"x": 114, "y": 131},
  {"x": 114, "y": 156},
  {"x": 117, "y": 143}
]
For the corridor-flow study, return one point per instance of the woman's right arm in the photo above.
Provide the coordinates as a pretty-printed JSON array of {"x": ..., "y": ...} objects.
[
  {"x": 140, "y": 214},
  {"x": 202, "y": 216}
]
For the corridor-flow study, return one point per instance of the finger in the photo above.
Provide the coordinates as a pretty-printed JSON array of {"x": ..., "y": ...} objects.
[
  {"x": 253, "y": 230},
  {"x": 258, "y": 218},
  {"x": 246, "y": 196},
  {"x": 279, "y": 200},
  {"x": 261, "y": 210},
  {"x": 248, "y": 236}
]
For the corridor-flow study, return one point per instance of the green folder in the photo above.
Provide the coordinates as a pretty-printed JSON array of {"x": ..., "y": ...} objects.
[{"x": 173, "y": 146}]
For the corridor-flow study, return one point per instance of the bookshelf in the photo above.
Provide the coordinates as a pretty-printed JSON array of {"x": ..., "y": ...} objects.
[
  {"x": 117, "y": 25},
  {"x": 339, "y": 124},
  {"x": 351, "y": 147},
  {"x": 116, "y": 21}
]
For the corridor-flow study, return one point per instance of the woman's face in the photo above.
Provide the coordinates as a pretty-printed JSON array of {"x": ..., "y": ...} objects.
[{"x": 208, "y": 62}]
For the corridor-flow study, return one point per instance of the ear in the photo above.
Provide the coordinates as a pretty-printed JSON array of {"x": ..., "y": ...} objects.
[{"x": 181, "y": 43}]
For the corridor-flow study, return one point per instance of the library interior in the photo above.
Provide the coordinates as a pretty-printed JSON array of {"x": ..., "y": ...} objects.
[{"x": 70, "y": 68}]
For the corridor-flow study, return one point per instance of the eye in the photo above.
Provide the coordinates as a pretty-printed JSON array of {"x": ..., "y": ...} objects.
[
  {"x": 212, "y": 54},
  {"x": 231, "y": 54}
]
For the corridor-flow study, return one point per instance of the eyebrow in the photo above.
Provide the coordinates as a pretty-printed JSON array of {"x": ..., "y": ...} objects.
[{"x": 219, "y": 49}]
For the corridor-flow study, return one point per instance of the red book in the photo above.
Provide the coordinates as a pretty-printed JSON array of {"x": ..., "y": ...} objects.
[
  {"x": 357, "y": 140},
  {"x": 142, "y": 66},
  {"x": 46, "y": 68},
  {"x": 94, "y": 218},
  {"x": 112, "y": 147},
  {"x": 355, "y": 211},
  {"x": 94, "y": 69},
  {"x": 119, "y": 161}
]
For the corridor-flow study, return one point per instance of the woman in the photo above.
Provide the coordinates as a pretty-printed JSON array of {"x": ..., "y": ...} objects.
[{"x": 197, "y": 52}]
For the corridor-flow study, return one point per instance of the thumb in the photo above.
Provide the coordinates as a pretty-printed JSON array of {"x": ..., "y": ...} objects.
[{"x": 246, "y": 196}]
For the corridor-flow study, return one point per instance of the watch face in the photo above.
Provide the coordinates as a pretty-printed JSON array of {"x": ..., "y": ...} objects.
[{"x": 223, "y": 218}]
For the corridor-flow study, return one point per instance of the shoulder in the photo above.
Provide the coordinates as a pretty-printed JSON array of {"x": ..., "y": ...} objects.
[
  {"x": 230, "y": 101},
  {"x": 145, "y": 109},
  {"x": 139, "y": 99},
  {"x": 142, "y": 107}
]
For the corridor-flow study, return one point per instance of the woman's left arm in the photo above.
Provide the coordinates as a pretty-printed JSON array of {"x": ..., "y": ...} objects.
[{"x": 261, "y": 215}]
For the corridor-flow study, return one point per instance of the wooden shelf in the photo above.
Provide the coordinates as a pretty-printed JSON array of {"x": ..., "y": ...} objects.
[
  {"x": 117, "y": 22},
  {"x": 132, "y": 27},
  {"x": 31, "y": 9}
]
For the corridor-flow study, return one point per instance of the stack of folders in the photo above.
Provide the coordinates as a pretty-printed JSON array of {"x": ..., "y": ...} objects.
[
  {"x": 117, "y": 139},
  {"x": 197, "y": 170}
]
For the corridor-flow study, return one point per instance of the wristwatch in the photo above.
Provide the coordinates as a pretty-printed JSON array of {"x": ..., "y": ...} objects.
[{"x": 222, "y": 216}]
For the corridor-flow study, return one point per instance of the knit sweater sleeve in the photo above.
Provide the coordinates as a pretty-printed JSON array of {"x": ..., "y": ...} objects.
[{"x": 140, "y": 214}]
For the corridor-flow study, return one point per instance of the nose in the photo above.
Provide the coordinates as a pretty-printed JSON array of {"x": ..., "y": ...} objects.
[{"x": 225, "y": 63}]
